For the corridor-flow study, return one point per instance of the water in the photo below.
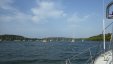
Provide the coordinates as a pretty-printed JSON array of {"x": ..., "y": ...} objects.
[{"x": 44, "y": 53}]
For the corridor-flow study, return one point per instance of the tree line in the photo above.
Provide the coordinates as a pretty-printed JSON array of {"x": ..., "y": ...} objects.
[
  {"x": 50, "y": 39},
  {"x": 100, "y": 37}
]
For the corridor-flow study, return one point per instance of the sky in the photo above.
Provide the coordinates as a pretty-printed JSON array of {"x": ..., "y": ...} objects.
[{"x": 51, "y": 18}]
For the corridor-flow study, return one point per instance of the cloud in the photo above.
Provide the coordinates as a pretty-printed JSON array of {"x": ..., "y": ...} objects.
[
  {"x": 77, "y": 23},
  {"x": 45, "y": 10},
  {"x": 42, "y": 12},
  {"x": 6, "y": 5},
  {"x": 11, "y": 14},
  {"x": 74, "y": 18},
  {"x": 18, "y": 17}
]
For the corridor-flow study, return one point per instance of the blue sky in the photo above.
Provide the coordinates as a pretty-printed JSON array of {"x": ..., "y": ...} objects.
[{"x": 51, "y": 18}]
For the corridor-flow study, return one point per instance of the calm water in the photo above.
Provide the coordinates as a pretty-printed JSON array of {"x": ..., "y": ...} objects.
[{"x": 44, "y": 53}]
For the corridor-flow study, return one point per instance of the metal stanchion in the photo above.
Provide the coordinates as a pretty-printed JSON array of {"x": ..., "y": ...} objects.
[{"x": 112, "y": 43}]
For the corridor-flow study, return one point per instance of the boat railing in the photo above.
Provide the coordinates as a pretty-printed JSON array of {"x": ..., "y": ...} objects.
[{"x": 89, "y": 53}]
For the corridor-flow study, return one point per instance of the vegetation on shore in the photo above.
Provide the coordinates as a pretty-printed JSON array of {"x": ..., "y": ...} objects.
[
  {"x": 15, "y": 38},
  {"x": 21, "y": 38},
  {"x": 100, "y": 37},
  {"x": 51, "y": 39}
]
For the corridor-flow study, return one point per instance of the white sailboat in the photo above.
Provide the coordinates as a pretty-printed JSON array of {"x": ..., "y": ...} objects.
[
  {"x": 82, "y": 40},
  {"x": 44, "y": 40},
  {"x": 73, "y": 40},
  {"x": 105, "y": 57}
]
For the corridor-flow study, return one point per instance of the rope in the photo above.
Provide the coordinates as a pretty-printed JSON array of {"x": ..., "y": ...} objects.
[
  {"x": 109, "y": 25},
  {"x": 82, "y": 52}
]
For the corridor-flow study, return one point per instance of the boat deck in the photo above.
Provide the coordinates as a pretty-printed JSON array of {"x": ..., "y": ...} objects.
[{"x": 104, "y": 58}]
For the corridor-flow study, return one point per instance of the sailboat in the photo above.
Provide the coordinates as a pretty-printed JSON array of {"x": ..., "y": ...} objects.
[
  {"x": 73, "y": 40},
  {"x": 82, "y": 40},
  {"x": 104, "y": 57}
]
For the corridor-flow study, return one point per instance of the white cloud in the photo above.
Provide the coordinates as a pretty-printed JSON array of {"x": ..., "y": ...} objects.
[
  {"x": 74, "y": 18},
  {"x": 20, "y": 17},
  {"x": 45, "y": 10},
  {"x": 76, "y": 22},
  {"x": 12, "y": 14},
  {"x": 6, "y": 4}
]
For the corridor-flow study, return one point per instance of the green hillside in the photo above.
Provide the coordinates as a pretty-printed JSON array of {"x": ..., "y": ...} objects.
[{"x": 100, "y": 37}]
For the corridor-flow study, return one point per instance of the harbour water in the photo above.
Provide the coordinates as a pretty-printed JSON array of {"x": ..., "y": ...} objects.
[{"x": 46, "y": 53}]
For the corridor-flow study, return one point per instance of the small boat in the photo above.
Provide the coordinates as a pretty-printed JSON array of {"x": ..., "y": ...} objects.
[
  {"x": 82, "y": 40},
  {"x": 73, "y": 40},
  {"x": 44, "y": 41}
]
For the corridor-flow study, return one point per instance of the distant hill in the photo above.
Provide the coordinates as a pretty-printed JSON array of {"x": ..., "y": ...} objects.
[
  {"x": 100, "y": 37},
  {"x": 14, "y": 38},
  {"x": 11, "y": 37}
]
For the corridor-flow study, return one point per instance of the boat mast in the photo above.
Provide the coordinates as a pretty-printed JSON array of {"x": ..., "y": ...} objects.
[
  {"x": 103, "y": 29},
  {"x": 104, "y": 35}
]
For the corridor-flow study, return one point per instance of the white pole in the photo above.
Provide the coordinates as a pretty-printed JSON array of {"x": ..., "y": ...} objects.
[
  {"x": 103, "y": 28},
  {"x": 104, "y": 35},
  {"x": 112, "y": 43}
]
